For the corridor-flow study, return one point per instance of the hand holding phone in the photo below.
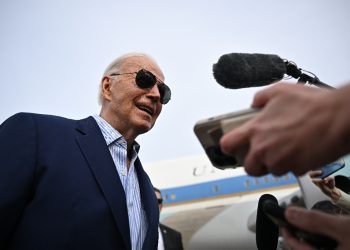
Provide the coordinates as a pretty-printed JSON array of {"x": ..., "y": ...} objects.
[
  {"x": 276, "y": 214},
  {"x": 209, "y": 132}
]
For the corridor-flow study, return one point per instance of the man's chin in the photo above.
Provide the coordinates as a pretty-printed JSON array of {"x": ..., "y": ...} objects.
[{"x": 144, "y": 128}]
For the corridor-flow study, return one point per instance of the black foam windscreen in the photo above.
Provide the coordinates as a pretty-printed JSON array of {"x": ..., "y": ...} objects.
[
  {"x": 242, "y": 70},
  {"x": 266, "y": 231}
]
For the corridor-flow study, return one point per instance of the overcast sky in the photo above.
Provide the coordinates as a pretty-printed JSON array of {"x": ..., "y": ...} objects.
[{"x": 54, "y": 52}]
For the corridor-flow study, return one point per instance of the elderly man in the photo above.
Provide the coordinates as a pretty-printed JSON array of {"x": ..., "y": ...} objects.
[{"x": 79, "y": 184}]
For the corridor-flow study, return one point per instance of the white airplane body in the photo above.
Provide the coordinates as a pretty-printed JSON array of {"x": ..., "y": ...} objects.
[{"x": 213, "y": 208}]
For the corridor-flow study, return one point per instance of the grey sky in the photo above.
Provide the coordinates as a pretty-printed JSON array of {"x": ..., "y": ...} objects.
[{"x": 54, "y": 52}]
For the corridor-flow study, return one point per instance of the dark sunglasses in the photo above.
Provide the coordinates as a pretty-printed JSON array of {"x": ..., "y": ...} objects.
[
  {"x": 145, "y": 80},
  {"x": 160, "y": 201}
]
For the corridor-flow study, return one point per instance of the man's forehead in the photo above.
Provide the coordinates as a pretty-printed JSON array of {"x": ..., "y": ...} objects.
[{"x": 134, "y": 64}]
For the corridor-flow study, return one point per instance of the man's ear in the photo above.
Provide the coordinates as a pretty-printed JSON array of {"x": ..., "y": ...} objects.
[{"x": 106, "y": 88}]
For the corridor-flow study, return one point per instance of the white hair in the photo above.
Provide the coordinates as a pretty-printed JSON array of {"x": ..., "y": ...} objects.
[{"x": 115, "y": 64}]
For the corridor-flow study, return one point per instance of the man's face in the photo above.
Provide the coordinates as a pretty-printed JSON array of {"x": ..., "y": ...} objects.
[{"x": 130, "y": 107}]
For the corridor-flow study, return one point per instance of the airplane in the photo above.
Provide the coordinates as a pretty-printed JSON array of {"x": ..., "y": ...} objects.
[
  {"x": 216, "y": 209},
  {"x": 208, "y": 205}
]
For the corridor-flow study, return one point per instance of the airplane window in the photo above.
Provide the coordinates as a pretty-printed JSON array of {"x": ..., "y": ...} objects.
[
  {"x": 247, "y": 183},
  {"x": 173, "y": 196},
  {"x": 256, "y": 181},
  {"x": 266, "y": 179},
  {"x": 276, "y": 178},
  {"x": 286, "y": 177},
  {"x": 216, "y": 189}
]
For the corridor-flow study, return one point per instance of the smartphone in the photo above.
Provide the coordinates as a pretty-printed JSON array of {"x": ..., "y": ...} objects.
[
  {"x": 210, "y": 130},
  {"x": 331, "y": 168},
  {"x": 276, "y": 214}
]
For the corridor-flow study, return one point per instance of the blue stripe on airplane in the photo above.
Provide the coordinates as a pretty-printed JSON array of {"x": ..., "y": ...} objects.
[{"x": 222, "y": 187}]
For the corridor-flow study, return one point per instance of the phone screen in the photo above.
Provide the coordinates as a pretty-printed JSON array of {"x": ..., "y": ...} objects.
[{"x": 331, "y": 168}]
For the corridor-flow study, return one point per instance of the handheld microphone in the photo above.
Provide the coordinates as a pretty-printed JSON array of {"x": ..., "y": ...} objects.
[
  {"x": 266, "y": 231},
  {"x": 241, "y": 70}
]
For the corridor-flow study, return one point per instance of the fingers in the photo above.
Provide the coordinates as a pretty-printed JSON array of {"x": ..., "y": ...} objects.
[
  {"x": 232, "y": 143},
  {"x": 263, "y": 96},
  {"x": 254, "y": 167},
  {"x": 260, "y": 133},
  {"x": 315, "y": 173},
  {"x": 330, "y": 180},
  {"x": 234, "y": 139},
  {"x": 314, "y": 221},
  {"x": 294, "y": 243},
  {"x": 240, "y": 136}
]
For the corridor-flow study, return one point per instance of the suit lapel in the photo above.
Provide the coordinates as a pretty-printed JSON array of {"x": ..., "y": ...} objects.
[
  {"x": 96, "y": 153},
  {"x": 150, "y": 206},
  {"x": 163, "y": 230}
]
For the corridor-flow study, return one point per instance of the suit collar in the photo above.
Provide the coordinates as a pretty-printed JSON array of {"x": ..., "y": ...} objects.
[
  {"x": 109, "y": 133},
  {"x": 94, "y": 148},
  {"x": 151, "y": 208}
]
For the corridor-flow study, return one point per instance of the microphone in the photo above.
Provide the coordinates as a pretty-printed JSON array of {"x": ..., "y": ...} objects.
[
  {"x": 241, "y": 70},
  {"x": 267, "y": 232}
]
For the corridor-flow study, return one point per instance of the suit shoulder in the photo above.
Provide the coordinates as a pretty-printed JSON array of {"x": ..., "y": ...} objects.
[
  {"x": 18, "y": 120},
  {"x": 23, "y": 119},
  {"x": 169, "y": 229},
  {"x": 25, "y": 116}
]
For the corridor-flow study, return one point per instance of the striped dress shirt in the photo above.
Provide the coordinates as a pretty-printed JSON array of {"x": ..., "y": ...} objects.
[{"x": 117, "y": 146}]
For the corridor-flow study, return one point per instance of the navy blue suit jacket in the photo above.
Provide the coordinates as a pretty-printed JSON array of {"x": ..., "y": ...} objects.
[
  {"x": 59, "y": 188},
  {"x": 172, "y": 239}
]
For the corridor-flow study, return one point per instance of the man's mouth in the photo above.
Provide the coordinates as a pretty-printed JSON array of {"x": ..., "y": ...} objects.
[{"x": 146, "y": 109}]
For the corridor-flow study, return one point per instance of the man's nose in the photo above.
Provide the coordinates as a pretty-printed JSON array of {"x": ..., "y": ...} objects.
[{"x": 154, "y": 92}]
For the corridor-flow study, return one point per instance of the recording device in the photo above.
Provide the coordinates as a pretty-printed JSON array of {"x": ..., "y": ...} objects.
[
  {"x": 331, "y": 168},
  {"x": 209, "y": 132},
  {"x": 242, "y": 70},
  {"x": 266, "y": 230},
  {"x": 276, "y": 214}
]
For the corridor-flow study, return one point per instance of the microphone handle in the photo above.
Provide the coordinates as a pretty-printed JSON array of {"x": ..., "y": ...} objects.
[
  {"x": 322, "y": 85},
  {"x": 304, "y": 78}
]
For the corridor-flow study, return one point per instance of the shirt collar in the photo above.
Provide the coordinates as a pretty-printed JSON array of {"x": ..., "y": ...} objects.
[{"x": 110, "y": 134}]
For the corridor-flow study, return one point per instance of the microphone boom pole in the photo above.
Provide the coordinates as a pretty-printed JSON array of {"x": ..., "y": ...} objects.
[{"x": 295, "y": 72}]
